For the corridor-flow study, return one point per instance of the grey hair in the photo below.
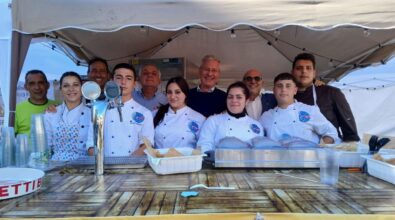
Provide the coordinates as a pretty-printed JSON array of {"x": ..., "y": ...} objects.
[
  {"x": 210, "y": 57},
  {"x": 150, "y": 64}
]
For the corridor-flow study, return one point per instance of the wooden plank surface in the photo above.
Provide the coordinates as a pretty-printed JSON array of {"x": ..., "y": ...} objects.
[{"x": 142, "y": 192}]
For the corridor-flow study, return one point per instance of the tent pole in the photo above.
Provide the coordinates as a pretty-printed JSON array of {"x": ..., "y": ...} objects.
[{"x": 19, "y": 47}]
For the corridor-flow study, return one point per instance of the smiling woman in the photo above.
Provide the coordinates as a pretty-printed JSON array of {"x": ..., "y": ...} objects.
[
  {"x": 234, "y": 125},
  {"x": 69, "y": 130}
]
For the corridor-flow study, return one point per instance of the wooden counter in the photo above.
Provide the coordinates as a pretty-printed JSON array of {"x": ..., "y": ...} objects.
[{"x": 142, "y": 192}]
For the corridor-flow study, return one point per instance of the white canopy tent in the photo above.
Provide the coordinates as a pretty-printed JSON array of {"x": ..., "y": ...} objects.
[{"x": 263, "y": 34}]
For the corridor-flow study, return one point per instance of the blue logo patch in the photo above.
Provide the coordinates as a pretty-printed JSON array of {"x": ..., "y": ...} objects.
[
  {"x": 193, "y": 126},
  {"x": 138, "y": 117},
  {"x": 304, "y": 116},
  {"x": 255, "y": 128},
  {"x": 285, "y": 136}
]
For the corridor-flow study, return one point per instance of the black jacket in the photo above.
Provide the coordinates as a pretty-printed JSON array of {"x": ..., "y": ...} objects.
[{"x": 334, "y": 107}]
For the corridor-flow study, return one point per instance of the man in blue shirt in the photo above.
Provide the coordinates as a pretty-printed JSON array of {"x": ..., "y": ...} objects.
[{"x": 149, "y": 95}]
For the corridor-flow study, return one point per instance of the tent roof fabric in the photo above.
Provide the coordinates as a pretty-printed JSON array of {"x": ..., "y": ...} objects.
[
  {"x": 261, "y": 34},
  {"x": 97, "y": 15}
]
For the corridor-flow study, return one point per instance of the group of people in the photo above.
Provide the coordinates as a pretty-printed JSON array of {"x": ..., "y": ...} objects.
[{"x": 182, "y": 117}]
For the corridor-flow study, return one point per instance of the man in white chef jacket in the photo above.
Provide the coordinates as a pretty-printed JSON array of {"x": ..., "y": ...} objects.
[
  {"x": 126, "y": 138},
  {"x": 294, "y": 119}
]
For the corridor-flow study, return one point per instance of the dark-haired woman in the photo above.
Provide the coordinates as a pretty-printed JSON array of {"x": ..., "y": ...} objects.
[
  {"x": 233, "y": 123},
  {"x": 177, "y": 125},
  {"x": 69, "y": 130}
]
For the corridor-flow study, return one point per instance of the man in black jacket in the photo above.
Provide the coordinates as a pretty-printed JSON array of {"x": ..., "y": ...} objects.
[{"x": 330, "y": 100}]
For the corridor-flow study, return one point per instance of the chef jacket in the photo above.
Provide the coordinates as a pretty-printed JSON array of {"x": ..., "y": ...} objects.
[
  {"x": 223, "y": 125},
  {"x": 297, "y": 120},
  {"x": 123, "y": 138},
  {"x": 179, "y": 129},
  {"x": 60, "y": 123}
]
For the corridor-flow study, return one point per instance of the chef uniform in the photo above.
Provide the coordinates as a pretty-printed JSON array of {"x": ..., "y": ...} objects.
[
  {"x": 69, "y": 132},
  {"x": 297, "y": 120},
  {"x": 223, "y": 125},
  {"x": 123, "y": 138},
  {"x": 179, "y": 129}
]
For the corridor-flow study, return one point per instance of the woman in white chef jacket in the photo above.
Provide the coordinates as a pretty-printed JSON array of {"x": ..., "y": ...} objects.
[
  {"x": 294, "y": 119},
  {"x": 233, "y": 123},
  {"x": 176, "y": 124},
  {"x": 69, "y": 130}
]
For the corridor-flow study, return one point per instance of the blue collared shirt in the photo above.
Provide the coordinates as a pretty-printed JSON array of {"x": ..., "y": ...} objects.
[{"x": 151, "y": 104}]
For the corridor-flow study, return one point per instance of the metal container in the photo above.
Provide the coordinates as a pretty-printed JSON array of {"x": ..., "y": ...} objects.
[{"x": 276, "y": 157}]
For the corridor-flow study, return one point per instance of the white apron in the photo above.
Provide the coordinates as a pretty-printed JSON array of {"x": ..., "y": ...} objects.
[{"x": 66, "y": 144}]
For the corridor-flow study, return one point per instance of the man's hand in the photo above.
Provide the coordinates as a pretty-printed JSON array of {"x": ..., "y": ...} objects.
[
  {"x": 319, "y": 83},
  {"x": 139, "y": 151},
  {"x": 51, "y": 108},
  {"x": 328, "y": 140},
  {"x": 91, "y": 151}
]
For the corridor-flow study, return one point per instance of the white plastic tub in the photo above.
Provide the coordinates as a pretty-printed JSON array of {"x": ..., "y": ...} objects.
[
  {"x": 358, "y": 158},
  {"x": 172, "y": 165},
  {"x": 16, "y": 182},
  {"x": 380, "y": 169},
  {"x": 354, "y": 158}
]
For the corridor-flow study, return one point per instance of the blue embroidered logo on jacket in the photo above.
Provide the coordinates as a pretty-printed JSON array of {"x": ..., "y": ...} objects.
[
  {"x": 285, "y": 136},
  {"x": 304, "y": 116},
  {"x": 255, "y": 128},
  {"x": 193, "y": 126},
  {"x": 138, "y": 117}
]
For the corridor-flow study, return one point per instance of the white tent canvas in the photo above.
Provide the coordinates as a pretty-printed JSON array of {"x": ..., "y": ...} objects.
[{"x": 263, "y": 34}]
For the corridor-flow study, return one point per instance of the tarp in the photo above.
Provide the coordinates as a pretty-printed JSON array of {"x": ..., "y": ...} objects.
[
  {"x": 262, "y": 34},
  {"x": 373, "y": 110}
]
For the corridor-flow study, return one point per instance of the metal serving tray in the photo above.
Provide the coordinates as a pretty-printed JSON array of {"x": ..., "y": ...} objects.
[
  {"x": 112, "y": 162},
  {"x": 276, "y": 157}
]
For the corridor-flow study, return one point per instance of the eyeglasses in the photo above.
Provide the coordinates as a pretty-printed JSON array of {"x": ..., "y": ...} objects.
[{"x": 250, "y": 78}]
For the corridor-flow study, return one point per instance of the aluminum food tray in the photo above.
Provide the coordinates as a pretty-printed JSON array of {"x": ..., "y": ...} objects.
[{"x": 276, "y": 157}]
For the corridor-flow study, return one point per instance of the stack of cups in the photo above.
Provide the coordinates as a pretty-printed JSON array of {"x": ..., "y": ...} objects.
[
  {"x": 8, "y": 146},
  {"x": 22, "y": 151},
  {"x": 40, "y": 152}
]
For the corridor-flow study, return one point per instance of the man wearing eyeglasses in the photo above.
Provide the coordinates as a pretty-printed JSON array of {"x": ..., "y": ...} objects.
[
  {"x": 98, "y": 72},
  {"x": 258, "y": 102},
  {"x": 206, "y": 98}
]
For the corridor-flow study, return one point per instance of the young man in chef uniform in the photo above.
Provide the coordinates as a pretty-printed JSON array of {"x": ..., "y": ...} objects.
[
  {"x": 294, "y": 119},
  {"x": 126, "y": 138}
]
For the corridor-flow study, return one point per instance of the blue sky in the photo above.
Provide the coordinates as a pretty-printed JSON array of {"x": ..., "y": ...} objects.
[{"x": 52, "y": 62}]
